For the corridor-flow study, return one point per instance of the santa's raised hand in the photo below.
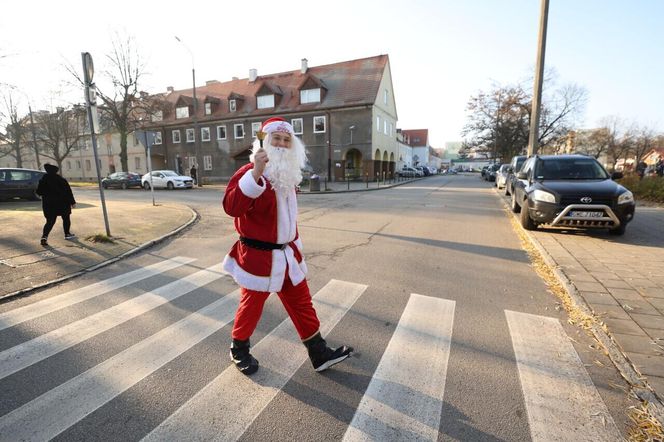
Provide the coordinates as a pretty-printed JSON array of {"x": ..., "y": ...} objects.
[{"x": 260, "y": 161}]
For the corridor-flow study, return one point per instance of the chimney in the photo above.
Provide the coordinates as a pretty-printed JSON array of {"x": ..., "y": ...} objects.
[
  {"x": 235, "y": 79},
  {"x": 210, "y": 82},
  {"x": 170, "y": 89},
  {"x": 305, "y": 66},
  {"x": 253, "y": 74}
]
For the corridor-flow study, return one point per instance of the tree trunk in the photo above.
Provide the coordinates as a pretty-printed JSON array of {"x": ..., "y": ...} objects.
[{"x": 123, "y": 151}]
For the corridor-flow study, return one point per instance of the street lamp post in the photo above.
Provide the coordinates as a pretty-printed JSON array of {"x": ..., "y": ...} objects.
[
  {"x": 197, "y": 145},
  {"x": 539, "y": 73}
]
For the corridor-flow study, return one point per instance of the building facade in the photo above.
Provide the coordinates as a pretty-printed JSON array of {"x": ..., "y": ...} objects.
[{"x": 345, "y": 114}]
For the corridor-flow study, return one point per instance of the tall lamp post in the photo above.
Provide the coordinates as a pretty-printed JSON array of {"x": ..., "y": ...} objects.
[
  {"x": 539, "y": 73},
  {"x": 197, "y": 145}
]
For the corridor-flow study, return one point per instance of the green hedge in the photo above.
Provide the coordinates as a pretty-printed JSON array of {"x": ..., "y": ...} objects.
[{"x": 650, "y": 188}]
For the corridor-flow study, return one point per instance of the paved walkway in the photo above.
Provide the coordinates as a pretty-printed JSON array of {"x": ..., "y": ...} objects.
[{"x": 621, "y": 279}]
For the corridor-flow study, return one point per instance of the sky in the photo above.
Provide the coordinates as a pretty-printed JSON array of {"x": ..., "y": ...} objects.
[{"x": 441, "y": 52}]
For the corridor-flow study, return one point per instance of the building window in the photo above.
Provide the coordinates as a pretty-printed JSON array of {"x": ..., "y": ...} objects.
[
  {"x": 182, "y": 112},
  {"x": 385, "y": 96},
  {"x": 176, "y": 136},
  {"x": 232, "y": 105},
  {"x": 298, "y": 127},
  {"x": 191, "y": 136},
  {"x": 255, "y": 127},
  {"x": 385, "y": 127},
  {"x": 158, "y": 116},
  {"x": 88, "y": 165},
  {"x": 319, "y": 124},
  {"x": 78, "y": 164},
  {"x": 157, "y": 138},
  {"x": 137, "y": 163},
  {"x": 207, "y": 162},
  {"x": 221, "y": 132},
  {"x": 265, "y": 101},
  {"x": 208, "y": 108},
  {"x": 377, "y": 123},
  {"x": 68, "y": 165},
  {"x": 310, "y": 96},
  {"x": 239, "y": 131},
  {"x": 205, "y": 134}
]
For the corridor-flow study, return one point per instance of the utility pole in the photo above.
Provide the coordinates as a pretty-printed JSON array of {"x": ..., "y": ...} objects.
[{"x": 539, "y": 73}]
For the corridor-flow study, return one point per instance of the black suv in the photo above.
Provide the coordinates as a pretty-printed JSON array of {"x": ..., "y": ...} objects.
[
  {"x": 515, "y": 166},
  {"x": 570, "y": 191}
]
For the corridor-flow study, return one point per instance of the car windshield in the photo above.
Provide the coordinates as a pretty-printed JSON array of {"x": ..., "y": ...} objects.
[
  {"x": 169, "y": 173},
  {"x": 570, "y": 169}
]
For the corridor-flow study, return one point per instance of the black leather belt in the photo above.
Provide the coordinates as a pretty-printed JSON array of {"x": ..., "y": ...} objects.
[{"x": 261, "y": 245}]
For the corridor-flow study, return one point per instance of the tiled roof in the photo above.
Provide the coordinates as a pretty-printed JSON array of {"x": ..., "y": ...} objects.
[
  {"x": 416, "y": 137},
  {"x": 348, "y": 83}
]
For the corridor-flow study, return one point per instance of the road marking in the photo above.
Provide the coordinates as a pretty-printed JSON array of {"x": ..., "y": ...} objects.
[
  {"x": 214, "y": 414},
  {"x": 40, "y": 308},
  {"x": 562, "y": 402},
  {"x": 30, "y": 352},
  {"x": 404, "y": 399},
  {"x": 56, "y": 410}
]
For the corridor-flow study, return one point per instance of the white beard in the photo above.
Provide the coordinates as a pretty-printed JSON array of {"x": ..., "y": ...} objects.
[{"x": 284, "y": 168}]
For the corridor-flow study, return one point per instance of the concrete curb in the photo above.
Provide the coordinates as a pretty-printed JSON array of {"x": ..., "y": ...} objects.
[
  {"x": 329, "y": 192},
  {"x": 627, "y": 370},
  {"x": 194, "y": 217}
]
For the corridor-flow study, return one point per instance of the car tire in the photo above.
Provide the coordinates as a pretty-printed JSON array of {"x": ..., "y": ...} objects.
[
  {"x": 526, "y": 221},
  {"x": 104, "y": 185},
  {"x": 146, "y": 185},
  {"x": 170, "y": 185},
  {"x": 124, "y": 186},
  {"x": 618, "y": 231},
  {"x": 507, "y": 190},
  {"x": 513, "y": 204}
]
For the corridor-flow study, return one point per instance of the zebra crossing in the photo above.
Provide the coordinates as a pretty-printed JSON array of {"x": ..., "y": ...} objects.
[{"x": 403, "y": 400}]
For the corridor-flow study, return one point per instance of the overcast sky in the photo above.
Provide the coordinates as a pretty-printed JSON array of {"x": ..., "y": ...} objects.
[{"x": 441, "y": 51}]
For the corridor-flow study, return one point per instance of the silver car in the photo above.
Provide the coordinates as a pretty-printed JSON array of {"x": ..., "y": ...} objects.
[
  {"x": 166, "y": 179},
  {"x": 501, "y": 175}
]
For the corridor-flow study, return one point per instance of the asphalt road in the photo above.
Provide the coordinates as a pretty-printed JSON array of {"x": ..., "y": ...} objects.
[{"x": 428, "y": 281}]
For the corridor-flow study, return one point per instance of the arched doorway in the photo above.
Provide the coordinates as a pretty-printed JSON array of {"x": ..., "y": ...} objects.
[
  {"x": 377, "y": 163},
  {"x": 353, "y": 164},
  {"x": 385, "y": 167},
  {"x": 392, "y": 164}
]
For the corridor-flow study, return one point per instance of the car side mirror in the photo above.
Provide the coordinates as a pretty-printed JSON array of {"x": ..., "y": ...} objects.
[
  {"x": 510, "y": 170},
  {"x": 522, "y": 175},
  {"x": 616, "y": 175}
]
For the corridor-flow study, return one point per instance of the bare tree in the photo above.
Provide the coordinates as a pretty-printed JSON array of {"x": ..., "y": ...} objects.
[
  {"x": 645, "y": 139},
  {"x": 121, "y": 101},
  {"x": 15, "y": 130},
  {"x": 60, "y": 132}
]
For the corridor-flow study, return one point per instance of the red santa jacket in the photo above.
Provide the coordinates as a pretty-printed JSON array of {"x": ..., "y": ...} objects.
[{"x": 263, "y": 214}]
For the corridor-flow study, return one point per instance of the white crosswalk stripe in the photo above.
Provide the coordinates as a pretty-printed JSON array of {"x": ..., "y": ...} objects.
[
  {"x": 404, "y": 400},
  {"x": 22, "y": 314},
  {"x": 21, "y": 356},
  {"x": 562, "y": 402},
  {"x": 213, "y": 413}
]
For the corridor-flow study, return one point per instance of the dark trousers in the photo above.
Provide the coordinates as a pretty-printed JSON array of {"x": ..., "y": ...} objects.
[{"x": 50, "y": 222}]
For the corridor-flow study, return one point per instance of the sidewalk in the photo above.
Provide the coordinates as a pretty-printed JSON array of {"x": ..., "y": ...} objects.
[{"x": 26, "y": 265}]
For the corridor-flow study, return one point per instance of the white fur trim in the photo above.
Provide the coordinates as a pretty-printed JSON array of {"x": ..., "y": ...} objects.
[
  {"x": 273, "y": 283},
  {"x": 244, "y": 278},
  {"x": 278, "y": 126},
  {"x": 298, "y": 244},
  {"x": 286, "y": 217},
  {"x": 249, "y": 187}
]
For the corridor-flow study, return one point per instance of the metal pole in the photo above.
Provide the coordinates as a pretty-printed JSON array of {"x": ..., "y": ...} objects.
[
  {"x": 539, "y": 73},
  {"x": 197, "y": 135},
  {"x": 91, "y": 120},
  {"x": 148, "y": 145},
  {"x": 34, "y": 137}
]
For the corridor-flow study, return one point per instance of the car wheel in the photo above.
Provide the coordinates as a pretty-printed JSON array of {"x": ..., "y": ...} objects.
[
  {"x": 146, "y": 185},
  {"x": 507, "y": 190},
  {"x": 620, "y": 230},
  {"x": 104, "y": 185},
  {"x": 170, "y": 185},
  {"x": 124, "y": 185},
  {"x": 34, "y": 196},
  {"x": 513, "y": 204},
  {"x": 526, "y": 221}
]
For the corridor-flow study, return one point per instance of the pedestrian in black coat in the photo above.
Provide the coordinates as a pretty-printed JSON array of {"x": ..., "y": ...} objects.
[{"x": 57, "y": 200}]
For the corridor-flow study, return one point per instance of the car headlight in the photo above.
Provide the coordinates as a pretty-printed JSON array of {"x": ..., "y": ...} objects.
[
  {"x": 542, "y": 196},
  {"x": 626, "y": 197}
]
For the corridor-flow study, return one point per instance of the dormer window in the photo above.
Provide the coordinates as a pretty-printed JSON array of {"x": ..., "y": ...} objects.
[
  {"x": 232, "y": 105},
  {"x": 208, "y": 108},
  {"x": 265, "y": 101},
  {"x": 158, "y": 116},
  {"x": 182, "y": 112},
  {"x": 310, "y": 96}
]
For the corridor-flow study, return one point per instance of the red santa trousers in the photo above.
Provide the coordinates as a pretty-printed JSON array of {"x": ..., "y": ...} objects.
[{"x": 296, "y": 300}]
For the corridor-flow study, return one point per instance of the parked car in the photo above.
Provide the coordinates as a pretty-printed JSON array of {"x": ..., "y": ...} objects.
[
  {"x": 515, "y": 166},
  {"x": 571, "y": 191},
  {"x": 19, "y": 183},
  {"x": 424, "y": 171},
  {"x": 501, "y": 175},
  {"x": 490, "y": 172},
  {"x": 166, "y": 179},
  {"x": 122, "y": 180},
  {"x": 408, "y": 172}
]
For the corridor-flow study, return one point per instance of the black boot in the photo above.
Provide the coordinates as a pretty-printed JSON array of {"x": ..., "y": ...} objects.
[
  {"x": 323, "y": 357},
  {"x": 241, "y": 357}
]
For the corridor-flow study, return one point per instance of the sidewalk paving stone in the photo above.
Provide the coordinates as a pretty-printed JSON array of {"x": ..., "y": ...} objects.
[
  {"x": 599, "y": 298},
  {"x": 649, "y": 321}
]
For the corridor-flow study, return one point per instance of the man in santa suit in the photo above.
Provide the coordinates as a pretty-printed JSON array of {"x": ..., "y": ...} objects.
[{"x": 268, "y": 256}]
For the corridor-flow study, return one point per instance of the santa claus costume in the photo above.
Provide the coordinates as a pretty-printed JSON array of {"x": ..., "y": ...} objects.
[{"x": 268, "y": 255}]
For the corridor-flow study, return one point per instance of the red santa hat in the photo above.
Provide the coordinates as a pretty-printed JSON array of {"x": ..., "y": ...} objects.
[{"x": 276, "y": 124}]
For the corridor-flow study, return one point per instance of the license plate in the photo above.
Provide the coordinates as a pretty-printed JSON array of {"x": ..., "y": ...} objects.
[{"x": 585, "y": 214}]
